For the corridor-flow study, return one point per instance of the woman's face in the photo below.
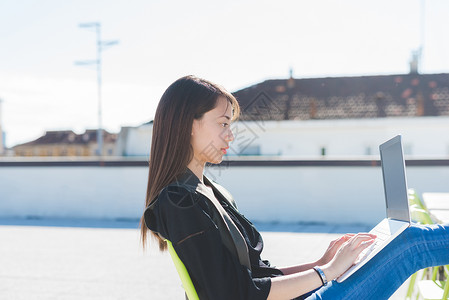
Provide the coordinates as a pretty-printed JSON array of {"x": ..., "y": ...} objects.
[{"x": 212, "y": 134}]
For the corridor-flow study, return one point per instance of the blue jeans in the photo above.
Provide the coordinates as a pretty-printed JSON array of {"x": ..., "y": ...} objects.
[{"x": 416, "y": 248}]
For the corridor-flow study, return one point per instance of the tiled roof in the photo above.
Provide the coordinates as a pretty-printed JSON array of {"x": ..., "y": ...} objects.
[
  {"x": 346, "y": 97},
  {"x": 69, "y": 137}
]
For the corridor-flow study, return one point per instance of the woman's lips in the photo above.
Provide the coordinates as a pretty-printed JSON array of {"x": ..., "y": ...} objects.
[{"x": 223, "y": 150}]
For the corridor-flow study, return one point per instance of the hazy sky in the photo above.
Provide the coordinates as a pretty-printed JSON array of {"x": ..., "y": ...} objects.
[{"x": 234, "y": 43}]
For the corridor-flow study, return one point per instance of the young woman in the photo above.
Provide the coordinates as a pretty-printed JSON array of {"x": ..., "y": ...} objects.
[{"x": 191, "y": 128}]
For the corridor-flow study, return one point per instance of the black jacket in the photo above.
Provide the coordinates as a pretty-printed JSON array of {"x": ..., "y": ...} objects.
[{"x": 188, "y": 219}]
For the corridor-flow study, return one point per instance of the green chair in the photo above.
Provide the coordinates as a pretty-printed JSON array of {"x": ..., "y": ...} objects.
[
  {"x": 427, "y": 289},
  {"x": 435, "y": 289},
  {"x": 186, "y": 281},
  {"x": 418, "y": 214},
  {"x": 421, "y": 274},
  {"x": 418, "y": 211},
  {"x": 414, "y": 199}
]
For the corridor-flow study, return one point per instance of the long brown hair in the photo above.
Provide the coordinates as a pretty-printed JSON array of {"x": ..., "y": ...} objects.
[{"x": 186, "y": 99}]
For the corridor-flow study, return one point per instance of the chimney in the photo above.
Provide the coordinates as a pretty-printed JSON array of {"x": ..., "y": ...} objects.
[
  {"x": 420, "y": 107},
  {"x": 414, "y": 61},
  {"x": 312, "y": 109},
  {"x": 291, "y": 80},
  {"x": 380, "y": 103}
]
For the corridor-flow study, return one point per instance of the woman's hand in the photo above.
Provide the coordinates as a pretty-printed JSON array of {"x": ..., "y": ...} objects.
[
  {"x": 339, "y": 256},
  {"x": 346, "y": 254},
  {"x": 333, "y": 248}
]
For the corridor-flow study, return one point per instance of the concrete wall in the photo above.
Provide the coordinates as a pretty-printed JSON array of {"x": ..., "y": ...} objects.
[{"x": 332, "y": 194}]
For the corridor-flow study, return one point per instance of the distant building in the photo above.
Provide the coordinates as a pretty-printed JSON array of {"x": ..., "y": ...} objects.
[
  {"x": 342, "y": 116},
  {"x": 135, "y": 141},
  {"x": 67, "y": 143},
  {"x": 364, "y": 97}
]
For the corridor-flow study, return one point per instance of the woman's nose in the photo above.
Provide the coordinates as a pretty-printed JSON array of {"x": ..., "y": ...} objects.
[{"x": 230, "y": 135}]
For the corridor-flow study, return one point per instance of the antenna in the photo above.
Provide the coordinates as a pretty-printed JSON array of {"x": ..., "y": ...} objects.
[
  {"x": 422, "y": 32},
  {"x": 101, "y": 45},
  {"x": 417, "y": 54}
]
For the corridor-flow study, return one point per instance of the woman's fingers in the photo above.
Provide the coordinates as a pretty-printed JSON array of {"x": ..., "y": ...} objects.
[
  {"x": 357, "y": 240},
  {"x": 362, "y": 236},
  {"x": 361, "y": 241},
  {"x": 350, "y": 236},
  {"x": 353, "y": 242},
  {"x": 365, "y": 243},
  {"x": 341, "y": 240},
  {"x": 347, "y": 254},
  {"x": 338, "y": 242}
]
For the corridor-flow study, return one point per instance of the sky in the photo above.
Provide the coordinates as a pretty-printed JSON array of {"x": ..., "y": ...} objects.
[{"x": 233, "y": 43}]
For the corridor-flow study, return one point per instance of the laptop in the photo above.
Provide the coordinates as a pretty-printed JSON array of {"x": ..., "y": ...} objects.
[{"x": 396, "y": 199}]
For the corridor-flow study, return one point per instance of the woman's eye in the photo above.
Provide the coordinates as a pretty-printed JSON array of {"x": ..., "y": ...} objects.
[{"x": 224, "y": 124}]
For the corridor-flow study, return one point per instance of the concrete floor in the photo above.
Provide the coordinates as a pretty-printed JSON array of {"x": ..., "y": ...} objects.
[{"x": 65, "y": 263}]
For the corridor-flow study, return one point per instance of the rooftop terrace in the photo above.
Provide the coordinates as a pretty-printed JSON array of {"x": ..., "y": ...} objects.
[{"x": 68, "y": 263}]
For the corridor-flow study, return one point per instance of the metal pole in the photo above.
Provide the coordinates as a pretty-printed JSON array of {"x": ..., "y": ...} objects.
[
  {"x": 101, "y": 45},
  {"x": 100, "y": 125},
  {"x": 422, "y": 34}
]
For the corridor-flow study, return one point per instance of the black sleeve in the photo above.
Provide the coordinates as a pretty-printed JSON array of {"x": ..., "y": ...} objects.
[{"x": 215, "y": 272}]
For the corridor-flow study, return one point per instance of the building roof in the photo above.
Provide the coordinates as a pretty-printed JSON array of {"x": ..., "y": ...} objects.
[
  {"x": 70, "y": 137},
  {"x": 346, "y": 97}
]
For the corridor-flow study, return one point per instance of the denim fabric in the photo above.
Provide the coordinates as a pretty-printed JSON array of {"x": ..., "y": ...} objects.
[{"x": 416, "y": 248}]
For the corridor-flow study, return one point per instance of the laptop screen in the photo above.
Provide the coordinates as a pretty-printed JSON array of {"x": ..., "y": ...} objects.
[{"x": 395, "y": 184}]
